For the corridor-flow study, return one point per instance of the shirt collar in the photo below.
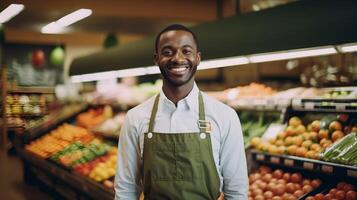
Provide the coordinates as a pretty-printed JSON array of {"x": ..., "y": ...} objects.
[{"x": 191, "y": 100}]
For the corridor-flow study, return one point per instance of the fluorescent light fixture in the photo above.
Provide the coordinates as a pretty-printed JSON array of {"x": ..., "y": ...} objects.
[
  {"x": 131, "y": 72},
  {"x": 52, "y": 28},
  {"x": 11, "y": 11},
  {"x": 140, "y": 71},
  {"x": 292, "y": 54},
  {"x": 153, "y": 70},
  {"x": 347, "y": 48},
  {"x": 224, "y": 62},
  {"x": 74, "y": 17},
  {"x": 60, "y": 25}
]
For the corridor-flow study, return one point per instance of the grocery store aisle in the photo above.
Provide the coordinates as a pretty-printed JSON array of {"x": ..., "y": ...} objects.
[{"x": 12, "y": 186}]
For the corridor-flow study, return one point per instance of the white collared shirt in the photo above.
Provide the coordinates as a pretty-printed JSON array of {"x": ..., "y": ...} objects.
[{"x": 226, "y": 138}]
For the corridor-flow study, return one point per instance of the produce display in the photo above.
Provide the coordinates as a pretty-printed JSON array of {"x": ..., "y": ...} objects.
[
  {"x": 343, "y": 151},
  {"x": 306, "y": 141},
  {"x": 78, "y": 153},
  {"x": 342, "y": 191},
  {"x": 253, "y": 90},
  {"x": 110, "y": 127},
  {"x": 254, "y": 125},
  {"x": 266, "y": 183},
  {"x": 33, "y": 104},
  {"x": 58, "y": 139},
  {"x": 94, "y": 117}
]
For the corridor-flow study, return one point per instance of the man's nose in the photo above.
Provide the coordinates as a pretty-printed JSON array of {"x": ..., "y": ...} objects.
[{"x": 178, "y": 57}]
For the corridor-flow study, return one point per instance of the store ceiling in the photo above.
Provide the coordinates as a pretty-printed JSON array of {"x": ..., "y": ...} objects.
[{"x": 138, "y": 17}]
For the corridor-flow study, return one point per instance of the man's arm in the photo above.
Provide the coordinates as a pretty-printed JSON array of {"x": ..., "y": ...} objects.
[
  {"x": 233, "y": 161},
  {"x": 128, "y": 175}
]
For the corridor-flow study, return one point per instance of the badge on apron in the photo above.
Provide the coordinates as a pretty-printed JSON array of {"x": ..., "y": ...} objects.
[{"x": 206, "y": 125}]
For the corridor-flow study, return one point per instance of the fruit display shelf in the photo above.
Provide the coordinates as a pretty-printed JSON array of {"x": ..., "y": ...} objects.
[
  {"x": 325, "y": 105},
  {"x": 263, "y": 104},
  {"x": 73, "y": 181},
  {"x": 300, "y": 163}
]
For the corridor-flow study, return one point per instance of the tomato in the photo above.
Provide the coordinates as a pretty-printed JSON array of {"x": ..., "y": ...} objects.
[
  {"x": 268, "y": 194},
  {"x": 267, "y": 177},
  {"x": 298, "y": 193},
  {"x": 315, "y": 183},
  {"x": 296, "y": 178},
  {"x": 340, "y": 185},
  {"x": 340, "y": 195},
  {"x": 264, "y": 169},
  {"x": 319, "y": 196},
  {"x": 348, "y": 187},
  {"x": 290, "y": 187},
  {"x": 286, "y": 176},
  {"x": 306, "y": 188},
  {"x": 351, "y": 195},
  {"x": 278, "y": 174}
]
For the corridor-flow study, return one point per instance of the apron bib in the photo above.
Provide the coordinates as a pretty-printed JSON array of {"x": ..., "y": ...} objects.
[{"x": 179, "y": 166}]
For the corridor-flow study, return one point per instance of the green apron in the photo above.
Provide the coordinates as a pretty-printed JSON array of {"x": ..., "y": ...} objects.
[{"x": 179, "y": 166}]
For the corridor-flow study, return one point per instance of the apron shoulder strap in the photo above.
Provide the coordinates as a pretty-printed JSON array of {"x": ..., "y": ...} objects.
[{"x": 153, "y": 113}]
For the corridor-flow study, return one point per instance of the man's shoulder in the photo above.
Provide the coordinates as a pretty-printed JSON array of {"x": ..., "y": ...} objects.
[
  {"x": 141, "y": 110},
  {"x": 217, "y": 105}
]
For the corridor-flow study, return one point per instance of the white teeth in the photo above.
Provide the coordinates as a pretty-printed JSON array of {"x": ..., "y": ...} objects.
[{"x": 181, "y": 69}]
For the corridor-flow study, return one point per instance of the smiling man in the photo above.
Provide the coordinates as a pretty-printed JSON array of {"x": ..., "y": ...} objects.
[{"x": 181, "y": 144}]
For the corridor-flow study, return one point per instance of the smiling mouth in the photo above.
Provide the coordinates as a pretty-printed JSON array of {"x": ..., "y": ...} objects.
[{"x": 179, "y": 69}]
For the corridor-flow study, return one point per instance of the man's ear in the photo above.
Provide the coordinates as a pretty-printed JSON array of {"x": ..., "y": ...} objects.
[
  {"x": 156, "y": 58},
  {"x": 198, "y": 58}
]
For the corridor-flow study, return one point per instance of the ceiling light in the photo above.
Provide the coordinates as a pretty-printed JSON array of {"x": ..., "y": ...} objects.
[
  {"x": 52, "y": 28},
  {"x": 131, "y": 72},
  {"x": 10, "y": 12},
  {"x": 74, "y": 17},
  {"x": 225, "y": 62},
  {"x": 60, "y": 25},
  {"x": 292, "y": 54},
  {"x": 347, "y": 48}
]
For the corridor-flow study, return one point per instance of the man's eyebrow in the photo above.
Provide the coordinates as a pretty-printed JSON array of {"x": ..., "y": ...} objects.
[
  {"x": 165, "y": 47},
  {"x": 187, "y": 45}
]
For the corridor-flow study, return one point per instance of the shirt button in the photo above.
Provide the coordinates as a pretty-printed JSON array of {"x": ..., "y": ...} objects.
[
  {"x": 203, "y": 135},
  {"x": 149, "y": 135}
]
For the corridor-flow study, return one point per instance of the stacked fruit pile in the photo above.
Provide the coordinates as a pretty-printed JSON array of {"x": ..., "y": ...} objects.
[
  {"x": 78, "y": 153},
  {"x": 58, "y": 139},
  {"x": 104, "y": 170},
  {"x": 303, "y": 141},
  {"x": 279, "y": 185},
  {"x": 94, "y": 117},
  {"x": 343, "y": 191}
]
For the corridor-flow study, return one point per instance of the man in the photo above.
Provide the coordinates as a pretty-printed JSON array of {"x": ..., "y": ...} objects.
[{"x": 181, "y": 144}]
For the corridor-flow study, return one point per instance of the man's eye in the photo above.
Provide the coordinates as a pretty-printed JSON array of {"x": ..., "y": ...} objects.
[
  {"x": 166, "y": 53},
  {"x": 186, "y": 52}
]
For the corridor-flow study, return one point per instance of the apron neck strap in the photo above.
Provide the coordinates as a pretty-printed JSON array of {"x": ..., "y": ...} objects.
[{"x": 201, "y": 108}]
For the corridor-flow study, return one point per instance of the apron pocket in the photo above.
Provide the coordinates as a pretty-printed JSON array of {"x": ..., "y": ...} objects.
[{"x": 163, "y": 166}]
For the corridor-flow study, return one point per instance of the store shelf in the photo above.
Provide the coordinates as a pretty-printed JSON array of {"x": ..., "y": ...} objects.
[
  {"x": 54, "y": 119},
  {"x": 79, "y": 183},
  {"x": 32, "y": 90},
  {"x": 266, "y": 104},
  {"x": 300, "y": 163},
  {"x": 325, "y": 105}
]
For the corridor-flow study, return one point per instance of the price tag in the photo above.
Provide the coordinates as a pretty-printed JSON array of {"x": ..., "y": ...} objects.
[
  {"x": 352, "y": 173},
  {"x": 327, "y": 169},
  {"x": 309, "y": 166},
  {"x": 340, "y": 107},
  {"x": 260, "y": 157},
  {"x": 289, "y": 162},
  {"x": 309, "y": 105},
  {"x": 274, "y": 160}
]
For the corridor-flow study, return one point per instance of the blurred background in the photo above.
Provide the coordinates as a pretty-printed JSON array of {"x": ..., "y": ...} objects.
[{"x": 70, "y": 70}]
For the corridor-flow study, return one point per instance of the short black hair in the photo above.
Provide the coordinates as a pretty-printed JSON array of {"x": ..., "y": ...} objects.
[{"x": 175, "y": 27}]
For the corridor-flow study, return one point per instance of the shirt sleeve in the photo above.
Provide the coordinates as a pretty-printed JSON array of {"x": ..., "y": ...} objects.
[
  {"x": 128, "y": 174},
  {"x": 233, "y": 161}
]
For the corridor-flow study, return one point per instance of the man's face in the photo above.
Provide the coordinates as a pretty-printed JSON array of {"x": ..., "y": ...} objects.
[{"x": 177, "y": 57}]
